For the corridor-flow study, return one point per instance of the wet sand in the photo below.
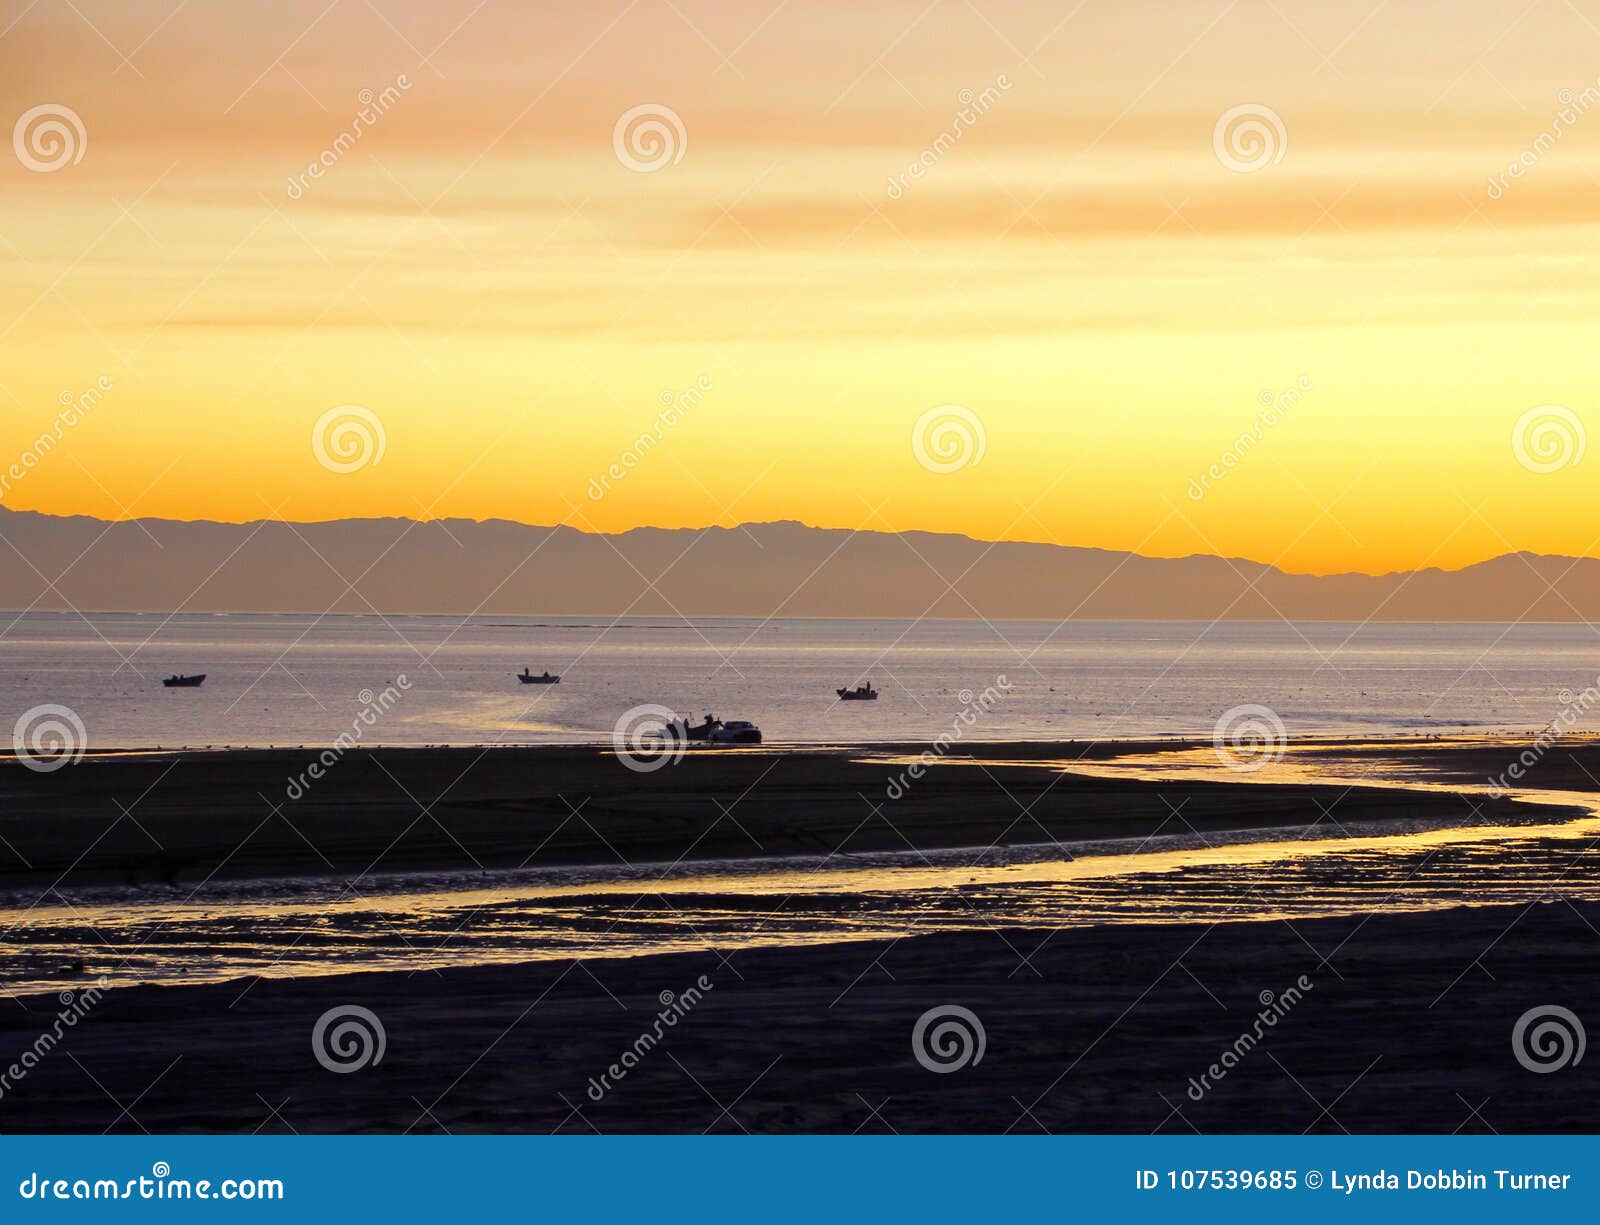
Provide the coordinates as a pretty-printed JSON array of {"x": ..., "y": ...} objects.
[
  {"x": 1407, "y": 1024},
  {"x": 1406, "y": 1028},
  {"x": 179, "y": 818}
]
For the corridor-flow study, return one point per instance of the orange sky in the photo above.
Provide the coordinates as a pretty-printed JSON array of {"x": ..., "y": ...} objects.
[{"x": 1080, "y": 270}]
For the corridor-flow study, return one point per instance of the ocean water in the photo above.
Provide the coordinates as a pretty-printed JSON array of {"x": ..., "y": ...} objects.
[{"x": 295, "y": 680}]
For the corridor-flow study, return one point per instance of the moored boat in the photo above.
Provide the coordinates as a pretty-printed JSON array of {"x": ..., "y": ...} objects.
[{"x": 736, "y": 731}]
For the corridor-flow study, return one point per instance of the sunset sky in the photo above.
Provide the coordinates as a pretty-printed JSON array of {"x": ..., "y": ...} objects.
[{"x": 1080, "y": 270}]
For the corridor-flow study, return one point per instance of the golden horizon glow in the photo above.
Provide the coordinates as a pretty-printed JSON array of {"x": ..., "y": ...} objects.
[{"x": 1079, "y": 269}]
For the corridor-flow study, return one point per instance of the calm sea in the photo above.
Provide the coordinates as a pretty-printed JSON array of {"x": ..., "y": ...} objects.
[{"x": 291, "y": 680}]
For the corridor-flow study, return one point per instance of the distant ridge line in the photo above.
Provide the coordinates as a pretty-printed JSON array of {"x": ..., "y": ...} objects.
[{"x": 780, "y": 568}]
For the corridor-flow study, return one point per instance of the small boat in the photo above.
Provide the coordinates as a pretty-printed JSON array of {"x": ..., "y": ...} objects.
[
  {"x": 175, "y": 681},
  {"x": 861, "y": 693},
  {"x": 528, "y": 678},
  {"x": 736, "y": 731}
]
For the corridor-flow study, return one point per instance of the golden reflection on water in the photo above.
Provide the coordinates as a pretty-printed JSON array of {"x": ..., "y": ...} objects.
[
  {"x": 1309, "y": 764},
  {"x": 423, "y": 921},
  {"x": 1084, "y": 861}
]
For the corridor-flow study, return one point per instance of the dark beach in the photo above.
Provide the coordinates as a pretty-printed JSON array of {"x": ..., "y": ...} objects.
[
  {"x": 1406, "y": 1028},
  {"x": 1405, "y": 1025},
  {"x": 180, "y": 818}
]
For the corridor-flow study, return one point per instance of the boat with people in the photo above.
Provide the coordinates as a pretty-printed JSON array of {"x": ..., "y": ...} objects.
[
  {"x": 544, "y": 678},
  {"x": 861, "y": 693},
  {"x": 737, "y": 731},
  {"x": 681, "y": 729},
  {"x": 179, "y": 681}
]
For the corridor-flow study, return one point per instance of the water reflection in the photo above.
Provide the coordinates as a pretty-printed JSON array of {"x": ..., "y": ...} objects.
[{"x": 422, "y": 921}]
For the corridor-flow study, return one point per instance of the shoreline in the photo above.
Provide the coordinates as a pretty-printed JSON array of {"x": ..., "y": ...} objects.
[
  {"x": 1037, "y": 745},
  {"x": 1102, "y": 1027},
  {"x": 1086, "y": 1030},
  {"x": 176, "y": 818}
]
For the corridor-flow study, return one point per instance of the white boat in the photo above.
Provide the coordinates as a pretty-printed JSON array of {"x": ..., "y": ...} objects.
[{"x": 736, "y": 731}]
